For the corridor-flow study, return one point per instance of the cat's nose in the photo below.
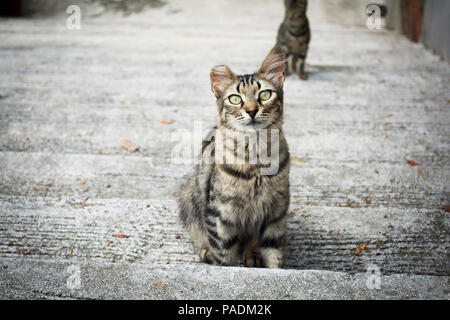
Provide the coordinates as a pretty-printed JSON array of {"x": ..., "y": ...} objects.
[{"x": 252, "y": 113}]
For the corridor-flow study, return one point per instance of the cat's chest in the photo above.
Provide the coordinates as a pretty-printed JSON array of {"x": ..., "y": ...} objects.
[
  {"x": 257, "y": 190},
  {"x": 248, "y": 202}
]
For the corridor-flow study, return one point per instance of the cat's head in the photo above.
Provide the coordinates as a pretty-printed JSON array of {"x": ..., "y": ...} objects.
[
  {"x": 253, "y": 101},
  {"x": 295, "y": 9}
]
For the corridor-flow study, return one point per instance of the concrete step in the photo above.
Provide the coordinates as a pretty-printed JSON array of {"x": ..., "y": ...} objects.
[
  {"x": 400, "y": 240},
  {"x": 34, "y": 279}
]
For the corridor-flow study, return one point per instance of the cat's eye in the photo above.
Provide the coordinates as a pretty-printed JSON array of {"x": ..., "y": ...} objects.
[
  {"x": 235, "y": 99},
  {"x": 265, "y": 95}
]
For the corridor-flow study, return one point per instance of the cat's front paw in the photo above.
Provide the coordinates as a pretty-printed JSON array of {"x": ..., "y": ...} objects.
[
  {"x": 206, "y": 255},
  {"x": 252, "y": 260},
  {"x": 303, "y": 76},
  {"x": 272, "y": 258}
]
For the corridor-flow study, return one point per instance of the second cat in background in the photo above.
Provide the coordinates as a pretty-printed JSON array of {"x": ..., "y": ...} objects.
[{"x": 294, "y": 36}]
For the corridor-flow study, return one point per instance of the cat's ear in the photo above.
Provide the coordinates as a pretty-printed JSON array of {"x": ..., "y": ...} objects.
[
  {"x": 221, "y": 78},
  {"x": 273, "y": 67}
]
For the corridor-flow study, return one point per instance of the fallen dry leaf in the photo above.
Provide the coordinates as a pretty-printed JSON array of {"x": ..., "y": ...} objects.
[
  {"x": 43, "y": 184},
  {"x": 128, "y": 146},
  {"x": 369, "y": 197},
  {"x": 83, "y": 181},
  {"x": 165, "y": 122},
  {"x": 446, "y": 208},
  {"x": 159, "y": 284},
  {"x": 421, "y": 174},
  {"x": 80, "y": 205},
  {"x": 22, "y": 252},
  {"x": 412, "y": 163},
  {"x": 351, "y": 204},
  {"x": 121, "y": 236},
  {"x": 297, "y": 159},
  {"x": 361, "y": 248}
]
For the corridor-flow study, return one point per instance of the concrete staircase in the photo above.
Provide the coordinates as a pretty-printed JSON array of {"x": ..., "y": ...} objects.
[{"x": 72, "y": 205}]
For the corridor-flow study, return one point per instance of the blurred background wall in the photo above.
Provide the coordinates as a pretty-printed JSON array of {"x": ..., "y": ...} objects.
[
  {"x": 436, "y": 27},
  {"x": 427, "y": 21},
  {"x": 25, "y": 8},
  {"x": 419, "y": 20},
  {"x": 348, "y": 12}
]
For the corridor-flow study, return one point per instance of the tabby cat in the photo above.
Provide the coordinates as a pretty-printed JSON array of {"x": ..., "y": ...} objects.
[
  {"x": 233, "y": 209},
  {"x": 294, "y": 36}
]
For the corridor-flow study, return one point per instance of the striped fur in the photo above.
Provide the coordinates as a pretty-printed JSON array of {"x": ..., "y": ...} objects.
[
  {"x": 233, "y": 208},
  {"x": 294, "y": 36}
]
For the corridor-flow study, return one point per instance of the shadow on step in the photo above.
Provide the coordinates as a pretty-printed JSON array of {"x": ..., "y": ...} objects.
[{"x": 409, "y": 253}]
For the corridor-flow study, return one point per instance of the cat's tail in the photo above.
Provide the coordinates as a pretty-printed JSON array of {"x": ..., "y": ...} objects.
[
  {"x": 188, "y": 208},
  {"x": 190, "y": 211}
]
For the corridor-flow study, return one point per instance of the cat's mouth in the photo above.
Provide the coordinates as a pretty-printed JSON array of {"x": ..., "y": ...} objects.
[
  {"x": 251, "y": 125},
  {"x": 254, "y": 123}
]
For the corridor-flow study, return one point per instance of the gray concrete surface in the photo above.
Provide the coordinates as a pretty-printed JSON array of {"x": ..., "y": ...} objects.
[
  {"x": 67, "y": 97},
  {"x": 51, "y": 280}
]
